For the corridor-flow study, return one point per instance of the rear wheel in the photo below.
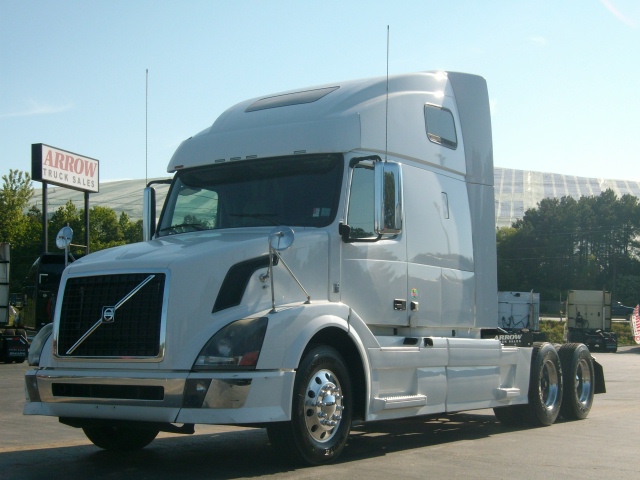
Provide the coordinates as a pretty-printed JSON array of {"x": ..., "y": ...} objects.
[
  {"x": 321, "y": 410},
  {"x": 121, "y": 439},
  {"x": 545, "y": 385},
  {"x": 579, "y": 381}
]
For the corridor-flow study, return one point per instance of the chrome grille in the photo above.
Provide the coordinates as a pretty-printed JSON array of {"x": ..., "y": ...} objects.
[{"x": 134, "y": 331}]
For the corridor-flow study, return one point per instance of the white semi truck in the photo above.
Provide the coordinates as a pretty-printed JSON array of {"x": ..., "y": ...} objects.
[
  {"x": 589, "y": 320},
  {"x": 519, "y": 317},
  {"x": 324, "y": 256}
]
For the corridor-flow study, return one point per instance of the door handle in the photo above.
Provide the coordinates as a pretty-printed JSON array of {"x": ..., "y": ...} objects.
[{"x": 399, "y": 304}]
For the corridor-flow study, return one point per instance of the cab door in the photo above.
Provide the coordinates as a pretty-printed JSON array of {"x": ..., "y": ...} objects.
[{"x": 373, "y": 265}]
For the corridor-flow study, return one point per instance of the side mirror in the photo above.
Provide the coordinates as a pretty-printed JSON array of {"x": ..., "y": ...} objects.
[
  {"x": 388, "y": 198},
  {"x": 148, "y": 213}
]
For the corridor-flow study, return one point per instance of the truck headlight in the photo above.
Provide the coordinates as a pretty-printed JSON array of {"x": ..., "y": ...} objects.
[
  {"x": 37, "y": 344},
  {"x": 236, "y": 346}
]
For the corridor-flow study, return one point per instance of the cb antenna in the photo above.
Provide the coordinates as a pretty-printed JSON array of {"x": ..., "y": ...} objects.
[
  {"x": 386, "y": 113},
  {"x": 146, "y": 129}
]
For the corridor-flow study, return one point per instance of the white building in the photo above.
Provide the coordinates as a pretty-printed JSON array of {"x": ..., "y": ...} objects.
[{"x": 516, "y": 191}]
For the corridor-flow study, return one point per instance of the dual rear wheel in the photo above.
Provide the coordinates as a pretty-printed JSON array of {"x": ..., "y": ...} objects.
[{"x": 561, "y": 383}]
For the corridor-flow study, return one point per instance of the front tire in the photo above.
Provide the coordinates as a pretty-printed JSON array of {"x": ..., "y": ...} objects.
[
  {"x": 320, "y": 412},
  {"x": 121, "y": 439},
  {"x": 579, "y": 381}
]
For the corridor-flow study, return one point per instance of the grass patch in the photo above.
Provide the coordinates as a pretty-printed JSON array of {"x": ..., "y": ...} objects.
[{"x": 554, "y": 331}]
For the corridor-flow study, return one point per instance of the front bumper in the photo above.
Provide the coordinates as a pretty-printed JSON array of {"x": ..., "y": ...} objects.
[{"x": 247, "y": 397}]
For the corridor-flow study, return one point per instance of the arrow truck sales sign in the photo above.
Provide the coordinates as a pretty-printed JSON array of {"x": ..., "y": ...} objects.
[{"x": 66, "y": 169}]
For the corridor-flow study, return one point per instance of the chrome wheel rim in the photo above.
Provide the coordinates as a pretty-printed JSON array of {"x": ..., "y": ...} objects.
[
  {"x": 323, "y": 406},
  {"x": 549, "y": 385},
  {"x": 583, "y": 382}
]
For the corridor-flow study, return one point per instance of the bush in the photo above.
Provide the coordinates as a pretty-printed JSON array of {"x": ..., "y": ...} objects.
[
  {"x": 623, "y": 329},
  {"x": 554, "y": 331}
]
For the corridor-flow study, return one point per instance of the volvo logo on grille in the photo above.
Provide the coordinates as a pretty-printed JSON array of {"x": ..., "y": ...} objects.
[{"x": 108, "y": 314}]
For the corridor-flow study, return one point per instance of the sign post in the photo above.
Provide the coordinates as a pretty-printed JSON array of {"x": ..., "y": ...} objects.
[{"x": 65, "y": 169}]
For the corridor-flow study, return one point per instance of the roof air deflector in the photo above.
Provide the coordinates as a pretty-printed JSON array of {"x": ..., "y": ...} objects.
[{"x": 288, "y": 99}]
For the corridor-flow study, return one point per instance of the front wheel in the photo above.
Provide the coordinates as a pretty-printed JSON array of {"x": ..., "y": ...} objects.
[
  {"x": 320, "y": 411},
  {"x": 121, "y": 439}
]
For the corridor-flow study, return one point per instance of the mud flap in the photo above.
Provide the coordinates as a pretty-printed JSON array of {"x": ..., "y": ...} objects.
[{"x": 600, "y": 386}]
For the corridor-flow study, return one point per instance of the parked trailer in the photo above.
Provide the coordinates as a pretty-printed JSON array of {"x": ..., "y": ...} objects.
[
  {"x": 40, "y": 290},
  {"x": 589, "y": 320},
  {"x": 519, "y": 317},
  {"x": 13, "y": 341},
  {"x": 324, "y": 256},
  {"x": 5, "y": 262}
]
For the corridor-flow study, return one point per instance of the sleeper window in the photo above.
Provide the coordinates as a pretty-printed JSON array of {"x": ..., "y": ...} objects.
[{"x": 441, "y": 128}]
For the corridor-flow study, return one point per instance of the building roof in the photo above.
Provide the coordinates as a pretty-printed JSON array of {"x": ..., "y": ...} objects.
[{"x": 516, "y": 191}]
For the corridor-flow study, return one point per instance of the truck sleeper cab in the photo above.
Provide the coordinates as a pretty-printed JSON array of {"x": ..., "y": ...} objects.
[{"x": 323, "y": 256}]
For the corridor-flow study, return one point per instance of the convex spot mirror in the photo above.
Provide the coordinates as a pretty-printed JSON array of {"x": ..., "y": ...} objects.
[
  {"x": 64, "y": 237},
  {"x": 281, "y": 238}
]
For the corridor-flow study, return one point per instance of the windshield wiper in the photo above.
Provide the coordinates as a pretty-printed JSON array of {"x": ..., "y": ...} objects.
[
  {"x": 258, "y": 216},
  {"x": 195, "y": 226}
]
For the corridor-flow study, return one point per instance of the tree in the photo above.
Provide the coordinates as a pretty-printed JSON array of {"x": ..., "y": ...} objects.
[
  {"x": 131, "y": 231},
  {"x": 564, "y": 244},
  {"x": 22, "y": 227},
  {"x": 507, "y": 246},
  {"x": 104, "y": 229},
  {"x": 14, "y": 198}
]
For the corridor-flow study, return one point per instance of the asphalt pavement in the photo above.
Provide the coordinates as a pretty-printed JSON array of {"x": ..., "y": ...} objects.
[{"x": 465, "y": 445}]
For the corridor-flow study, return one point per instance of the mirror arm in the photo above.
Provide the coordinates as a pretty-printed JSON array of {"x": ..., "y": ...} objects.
[{"x": 345, "y": 232}]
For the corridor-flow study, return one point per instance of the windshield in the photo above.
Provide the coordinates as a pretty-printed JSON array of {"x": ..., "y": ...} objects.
[{"x": 299, "y": 191}]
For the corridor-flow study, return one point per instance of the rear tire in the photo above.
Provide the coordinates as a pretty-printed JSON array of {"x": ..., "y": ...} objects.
[
  {"x": 320, "y": 412},
  {"x": 545, "y": 385},
  {"x": 579, "y": 381},
  {"x": 121, "y": 439}
]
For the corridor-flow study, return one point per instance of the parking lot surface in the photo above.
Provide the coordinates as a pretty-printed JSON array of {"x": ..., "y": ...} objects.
[{"x": 463, "y": 445}]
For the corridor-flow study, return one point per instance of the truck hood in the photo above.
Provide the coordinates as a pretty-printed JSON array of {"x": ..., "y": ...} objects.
[
  {"x": 162, "y": 252},
  {"x": 196, "y": 265}
]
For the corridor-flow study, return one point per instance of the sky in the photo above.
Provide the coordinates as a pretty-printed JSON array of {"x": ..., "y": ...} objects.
[{"x": 563, "y": 75}]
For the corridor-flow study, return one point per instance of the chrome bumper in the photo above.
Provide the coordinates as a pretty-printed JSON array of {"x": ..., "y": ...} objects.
[{"x": 182, "y": 397}]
